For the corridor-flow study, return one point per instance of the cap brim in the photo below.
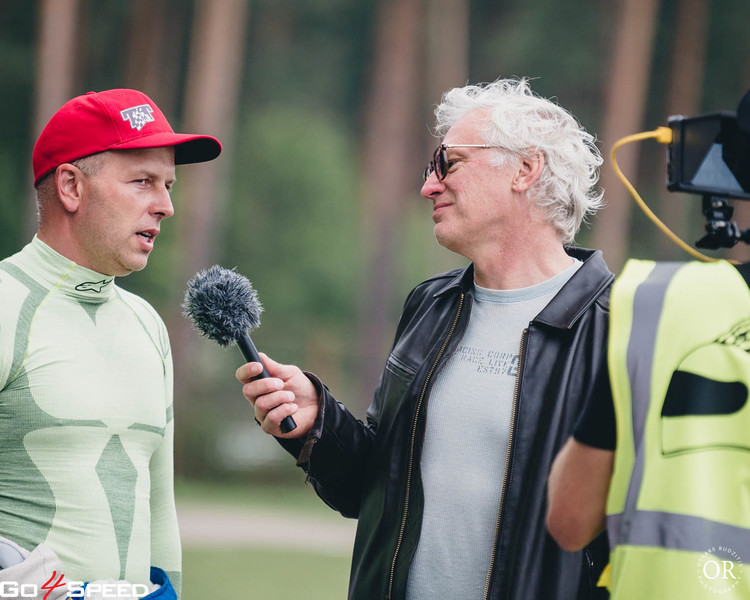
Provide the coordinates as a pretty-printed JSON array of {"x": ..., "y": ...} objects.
[{"x": 188, "y": 148}]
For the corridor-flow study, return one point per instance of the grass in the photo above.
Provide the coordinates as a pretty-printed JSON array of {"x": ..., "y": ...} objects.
[
  {"x": 254, "y": 572},
  {"x": 263, "y": 574},
  {"x": 291, "y": 495}
]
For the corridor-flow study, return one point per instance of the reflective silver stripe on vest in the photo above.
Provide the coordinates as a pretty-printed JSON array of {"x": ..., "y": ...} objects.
[
  {"x": 652, "y": 528},
  {"x": 685, "y": 532}
]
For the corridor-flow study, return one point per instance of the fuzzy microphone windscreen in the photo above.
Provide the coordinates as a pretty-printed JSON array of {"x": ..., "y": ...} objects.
[{"x": 222, "y": 304}]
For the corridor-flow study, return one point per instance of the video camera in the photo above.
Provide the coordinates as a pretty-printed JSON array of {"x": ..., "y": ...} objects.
[{"x": 710, "y": 155}]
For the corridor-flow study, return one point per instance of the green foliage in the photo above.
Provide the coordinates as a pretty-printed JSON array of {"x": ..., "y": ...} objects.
[
  {"x": 549, "y": 41},
  {"x": 309, "y": 54},
  {"x": 17, "y": 76},
  {"x": 13, "y": 206},
  {"x": 17, "y": 23},
  {"x": 294, "y": 218},
  {"x": 293, "y": 222},
  {"x": 726, "y": 61}
]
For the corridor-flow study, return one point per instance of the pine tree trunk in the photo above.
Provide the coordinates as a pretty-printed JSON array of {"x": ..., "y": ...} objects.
[
  {"x": 389, "y": 173},
  {"x": 626, "y": 95},
  {"x": 210, "y": 107},
  {"x": 686, "y": 76},
  {"x": 56, "y": 50}
]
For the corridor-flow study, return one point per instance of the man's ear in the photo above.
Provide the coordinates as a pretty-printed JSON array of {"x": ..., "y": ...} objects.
[
  {"x": 69, "y": 184},
  {"x": 529, "y": 172}
]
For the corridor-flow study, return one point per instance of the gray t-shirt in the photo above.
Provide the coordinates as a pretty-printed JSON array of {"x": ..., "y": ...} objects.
[{"x": 466, "y": 443}]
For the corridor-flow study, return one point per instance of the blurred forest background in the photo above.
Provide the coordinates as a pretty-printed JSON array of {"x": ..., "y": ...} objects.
[{"x": 325, "y": 111}]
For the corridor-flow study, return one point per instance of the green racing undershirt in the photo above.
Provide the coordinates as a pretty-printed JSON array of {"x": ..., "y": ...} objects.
[{"x": 86, "y": 421}]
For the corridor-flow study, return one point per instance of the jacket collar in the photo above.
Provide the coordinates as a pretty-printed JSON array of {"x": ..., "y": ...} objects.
[
  {"x": 463, "y": 281},
  {"x": 575, "y": 297}
]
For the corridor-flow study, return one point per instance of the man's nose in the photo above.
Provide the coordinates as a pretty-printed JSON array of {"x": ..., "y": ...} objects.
[
  {"x": 432, "y": 186},
  {"x": 163, "y": 205}
]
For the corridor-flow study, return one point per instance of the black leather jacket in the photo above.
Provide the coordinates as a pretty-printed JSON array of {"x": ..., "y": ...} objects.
[{"x": 372, "y": 471}]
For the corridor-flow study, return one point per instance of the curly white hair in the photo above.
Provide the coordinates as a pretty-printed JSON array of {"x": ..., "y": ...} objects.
[{"x": 520, "y": 123}]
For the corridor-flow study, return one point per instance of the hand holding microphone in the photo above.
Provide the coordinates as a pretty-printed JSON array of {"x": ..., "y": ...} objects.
[
  {"x": 287, "y": 382},
  {"x": 224, "y": 307}
]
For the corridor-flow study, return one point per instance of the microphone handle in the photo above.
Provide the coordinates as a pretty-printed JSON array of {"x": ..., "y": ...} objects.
[{"x": 250, "y": 352}]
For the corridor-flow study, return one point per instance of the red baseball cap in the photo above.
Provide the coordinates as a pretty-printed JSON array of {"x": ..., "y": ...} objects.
[{"x": 119, "y": 119}]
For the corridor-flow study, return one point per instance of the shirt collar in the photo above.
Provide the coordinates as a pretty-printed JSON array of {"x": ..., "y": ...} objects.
[
  {"x": 53, "y": 270},
  {"x": 574, "y": 298}
]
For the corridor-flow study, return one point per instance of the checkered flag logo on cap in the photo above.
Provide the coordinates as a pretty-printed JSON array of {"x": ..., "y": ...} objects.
[{"x": 138, "y": 116}]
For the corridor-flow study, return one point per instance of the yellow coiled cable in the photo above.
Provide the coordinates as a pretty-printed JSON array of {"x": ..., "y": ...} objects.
[{"x": 663, "y": 135}]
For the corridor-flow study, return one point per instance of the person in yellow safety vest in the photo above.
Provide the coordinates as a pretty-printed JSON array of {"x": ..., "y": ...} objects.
[{"x": 668, "y": 466}]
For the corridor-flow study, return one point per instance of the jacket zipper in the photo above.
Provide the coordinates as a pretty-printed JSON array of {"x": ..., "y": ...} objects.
[
  {"x": 411, "y": 449},
  {"x": 486, "y": 594}
]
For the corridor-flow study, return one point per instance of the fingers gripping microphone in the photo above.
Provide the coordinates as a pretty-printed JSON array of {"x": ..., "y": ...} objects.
[{"x": 224, "y": 307}]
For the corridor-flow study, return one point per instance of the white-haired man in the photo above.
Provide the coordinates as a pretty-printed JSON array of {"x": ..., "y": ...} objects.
[{"x": 490, "y": 366}]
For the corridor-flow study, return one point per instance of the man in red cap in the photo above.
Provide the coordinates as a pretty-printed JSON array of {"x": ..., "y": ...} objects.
[{"x": 86, "y": 413}]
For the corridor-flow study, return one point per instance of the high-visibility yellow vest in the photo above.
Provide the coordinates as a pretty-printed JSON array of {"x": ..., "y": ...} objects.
[{"x": 678, "y": 511}]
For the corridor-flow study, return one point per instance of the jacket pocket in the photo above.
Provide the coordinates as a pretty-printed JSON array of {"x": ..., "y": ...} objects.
[{"x": 389, "y": 397}]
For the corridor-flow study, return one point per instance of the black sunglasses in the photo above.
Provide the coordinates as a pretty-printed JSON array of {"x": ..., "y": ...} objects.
[{"x": 440, "y": 163}]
